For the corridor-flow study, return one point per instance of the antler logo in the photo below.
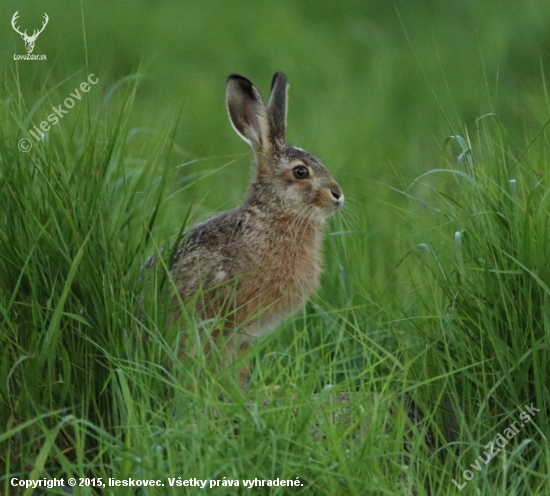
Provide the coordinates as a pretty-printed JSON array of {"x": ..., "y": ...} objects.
[{"x": 29, "y": 40}]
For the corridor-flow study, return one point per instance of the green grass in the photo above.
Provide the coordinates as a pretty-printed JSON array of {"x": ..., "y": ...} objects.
[{"x": 437, "y": 273}]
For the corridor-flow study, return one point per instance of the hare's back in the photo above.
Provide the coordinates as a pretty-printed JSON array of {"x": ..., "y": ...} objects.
[{"x": 217, "y": 250}]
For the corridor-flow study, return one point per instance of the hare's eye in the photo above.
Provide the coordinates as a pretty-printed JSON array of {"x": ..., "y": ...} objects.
[{"x": 300, "y": 172}]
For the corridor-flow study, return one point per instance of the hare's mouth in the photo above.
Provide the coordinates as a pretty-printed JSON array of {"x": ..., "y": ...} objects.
[
  {"x": 338, "y": 199},
  {"x": 329, "y": 200}
]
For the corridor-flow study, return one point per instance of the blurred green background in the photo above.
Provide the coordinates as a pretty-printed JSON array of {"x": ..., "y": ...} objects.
[{"x": 362, "y": 98}]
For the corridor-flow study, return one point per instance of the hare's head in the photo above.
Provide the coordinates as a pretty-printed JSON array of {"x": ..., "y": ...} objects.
[{"x": 288, "y": 179}]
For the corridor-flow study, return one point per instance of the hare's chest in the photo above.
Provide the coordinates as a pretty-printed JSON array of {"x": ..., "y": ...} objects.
[
  {"x": 283, "y": 272},
  {"x": 287, "y": 272}
]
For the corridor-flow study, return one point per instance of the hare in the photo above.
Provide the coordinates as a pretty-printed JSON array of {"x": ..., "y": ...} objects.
[{"x": 261, "y": 261}]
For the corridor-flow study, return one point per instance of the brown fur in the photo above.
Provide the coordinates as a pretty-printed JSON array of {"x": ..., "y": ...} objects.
[{"x": 261, "y": 261}]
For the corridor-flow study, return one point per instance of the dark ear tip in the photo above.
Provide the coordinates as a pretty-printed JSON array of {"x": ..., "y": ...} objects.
[
  {"x": 241, "y": 81},
  {"x": 236, "y": 77},
  {"x": 278, "y": 75}
]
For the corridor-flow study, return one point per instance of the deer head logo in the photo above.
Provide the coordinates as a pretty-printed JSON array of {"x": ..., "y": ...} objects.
[{"x": 29, "y": 40}]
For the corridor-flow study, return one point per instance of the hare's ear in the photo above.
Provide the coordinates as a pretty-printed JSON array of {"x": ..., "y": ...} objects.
[
  {"x": 247, "y": 112},
  {"x": 277, "y": 106}
]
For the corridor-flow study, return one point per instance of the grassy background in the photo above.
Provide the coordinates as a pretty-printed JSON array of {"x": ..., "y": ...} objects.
[{"x": 407, "y": 307}]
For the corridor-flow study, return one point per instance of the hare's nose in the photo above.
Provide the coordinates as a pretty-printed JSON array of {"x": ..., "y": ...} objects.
[{"x": 338, "y": 195}]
